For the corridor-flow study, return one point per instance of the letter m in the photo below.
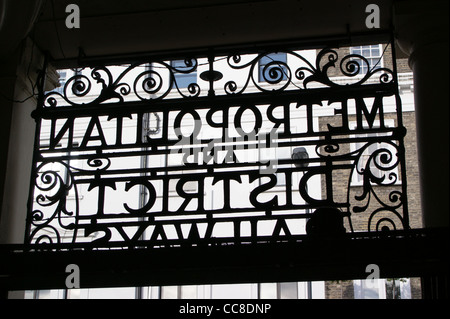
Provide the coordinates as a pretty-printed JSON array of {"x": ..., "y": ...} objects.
[{"x": 370, "y": 116}]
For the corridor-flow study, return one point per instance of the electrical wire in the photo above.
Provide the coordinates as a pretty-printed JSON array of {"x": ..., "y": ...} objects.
[
  {"x": 56, "y": 29},
  {"x": 33, "y": 85},
  {"x": 382, "y": 55}
]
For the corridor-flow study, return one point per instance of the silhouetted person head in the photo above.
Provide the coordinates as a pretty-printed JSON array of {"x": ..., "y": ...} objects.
[{"x": 326, "y": 222}]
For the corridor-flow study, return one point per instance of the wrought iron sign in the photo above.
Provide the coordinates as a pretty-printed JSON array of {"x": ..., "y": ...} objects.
[{"x": 219, "y": 148}]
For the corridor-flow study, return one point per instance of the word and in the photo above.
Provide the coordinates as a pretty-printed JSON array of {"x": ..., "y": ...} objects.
[{"x": 190, "y": 146}]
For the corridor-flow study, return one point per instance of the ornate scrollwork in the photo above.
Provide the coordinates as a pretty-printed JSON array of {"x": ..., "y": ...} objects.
[
  {"x": 385, "y": 219},
  {"x": 150, "y": 82},
  {"x": 80, "y": 86},
  {"x": 350, "y": 66},
  {"x": 379, "y": 168},
  {"x": 154, "y": 83},
  {"x": 325, "y": 148},
  {"x": 157, "y": 80},
  {"x": 156, "y": 185},
  {"x": 279, "y": 75},
  {"x": 53, "y": 184},
  {"x": 45, "y": 235},
  {"x": 98, "y": 163}
]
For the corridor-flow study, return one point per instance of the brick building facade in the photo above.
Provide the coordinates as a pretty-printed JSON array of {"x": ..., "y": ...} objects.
[{"x": 345, "y": 289}]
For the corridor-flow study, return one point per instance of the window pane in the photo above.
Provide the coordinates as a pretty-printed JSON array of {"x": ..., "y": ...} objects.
[
  {"x": 281, "y": 179},
  {"x": 392, "y": 289},
  {"x": 50, "y": 294},
  {"x": 62, "y": 81},
  {"x": 183, "y": 79},
  {"x": 364, "y": 69},
  {"x": 405, "y": 288},
  {"x": 370, "y": 289},
  {"x": 281, "y": 57},
  {"x": 189, "y": 292},
  {"x": 268, "y": 291},
  {"x": 169, "y": 292},
  {"x": 234, "y": 291},
  {"x": 109, "y": 293},
  {"x": 288, "y": 290},
  {"x": 372, "y": 53},
  {"x": 375, "y": 50}
]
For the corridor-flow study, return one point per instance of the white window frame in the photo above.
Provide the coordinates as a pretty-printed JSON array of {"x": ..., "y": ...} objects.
[
  {"x": 183, "y": 79},
  {"x": 372, "y": 59}
]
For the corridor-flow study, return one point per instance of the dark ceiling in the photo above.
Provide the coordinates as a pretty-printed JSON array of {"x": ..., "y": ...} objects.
[{"x": 117, "y": 27}]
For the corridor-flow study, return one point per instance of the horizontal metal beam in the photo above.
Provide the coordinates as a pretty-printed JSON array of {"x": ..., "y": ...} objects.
[
  {"x": 415, "y": 253},
  {"x": 333, "y": 40}
]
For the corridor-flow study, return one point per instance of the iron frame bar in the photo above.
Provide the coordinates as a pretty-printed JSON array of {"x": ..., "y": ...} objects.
[{"x": 96, "y": 109}]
